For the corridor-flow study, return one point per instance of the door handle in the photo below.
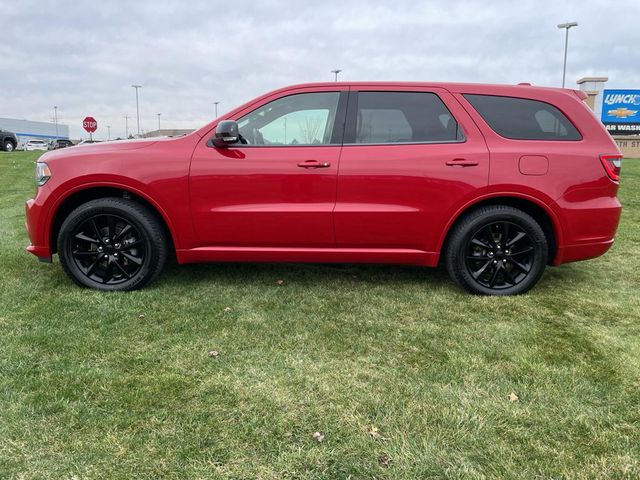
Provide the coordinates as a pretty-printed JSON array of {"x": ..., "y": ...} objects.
[
  {"x": 314, "y": 164},
  {"x": 461, "y": 162}
]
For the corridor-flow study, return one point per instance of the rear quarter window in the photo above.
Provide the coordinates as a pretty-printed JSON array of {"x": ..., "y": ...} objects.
[{"x": 523, "y": 119}]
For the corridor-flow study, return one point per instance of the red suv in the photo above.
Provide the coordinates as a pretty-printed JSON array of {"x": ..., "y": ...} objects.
[{"x": 493, "y": 181}]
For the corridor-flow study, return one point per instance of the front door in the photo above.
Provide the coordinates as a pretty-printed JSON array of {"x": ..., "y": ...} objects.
[{"x": 277, "y": 187}]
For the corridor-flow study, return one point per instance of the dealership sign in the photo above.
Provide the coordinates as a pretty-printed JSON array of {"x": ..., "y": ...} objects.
[{"x": 621, "y": 111}]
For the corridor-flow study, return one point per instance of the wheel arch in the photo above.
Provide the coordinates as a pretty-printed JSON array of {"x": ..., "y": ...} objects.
[
  {"x": 541, "y": 212},
  {"x": 81, "y": 195}
]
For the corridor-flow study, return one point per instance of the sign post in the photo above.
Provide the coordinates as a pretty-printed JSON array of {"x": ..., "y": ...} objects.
[
  {"x": 90, "y": 125},
  {"x": 621, "y": 111}
]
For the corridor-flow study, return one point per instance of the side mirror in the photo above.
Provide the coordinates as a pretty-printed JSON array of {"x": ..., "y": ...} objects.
[{"x": 227, "y": 133}]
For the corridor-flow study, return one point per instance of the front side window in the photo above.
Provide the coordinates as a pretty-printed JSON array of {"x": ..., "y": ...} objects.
[
  {"x": 404, "y": 117},
  {"x": 302, "y": 119},
  {"x": 523, "y": 119}
]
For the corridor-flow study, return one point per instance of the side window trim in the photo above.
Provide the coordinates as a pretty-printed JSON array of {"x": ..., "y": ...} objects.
[
  {"x": 352, "y": 121},
  {"x": 338, "y": 123}
]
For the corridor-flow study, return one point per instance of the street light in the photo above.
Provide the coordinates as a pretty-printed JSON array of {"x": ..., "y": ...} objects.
[
  {"x": 159, "y": 123},
  {"x": 108, "y": 132},
  {"x": 137, "y": 107},
  {"x": 55, "y": 118},
  {"x": 126, "y": 126},
  {"x": 215, "y": 104},
  {"x": 566, "y": 26},
  {"x": 336, "y": 72}
]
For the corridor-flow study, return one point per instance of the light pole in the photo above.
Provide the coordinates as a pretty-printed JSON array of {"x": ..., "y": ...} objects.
[
  {"x": 336, "y": 72},
  {"x": 108, "y": 132},
  {"x": 137, "y": 106},
  {"x": 55, "y": 118},
  {"x": 566, "y": 26},
  {"x": 126, "y": 126},
  {"x": 159, "y": 123},
  {"x": 215, "y": 105}
]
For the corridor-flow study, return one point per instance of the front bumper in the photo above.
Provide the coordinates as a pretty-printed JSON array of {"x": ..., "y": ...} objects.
[{"x": 34, "y": 222}]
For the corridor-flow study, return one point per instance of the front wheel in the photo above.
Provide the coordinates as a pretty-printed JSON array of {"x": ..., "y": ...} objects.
[
  {"x": 112, "y": 244},
  {"x": 497, "y": 250}
]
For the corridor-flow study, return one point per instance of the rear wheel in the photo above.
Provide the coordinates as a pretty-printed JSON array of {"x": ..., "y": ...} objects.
[
  {"x": 497, "y": 250},
  {"x": 8, "y": 146},
  {"x": 112, "y": 244}
]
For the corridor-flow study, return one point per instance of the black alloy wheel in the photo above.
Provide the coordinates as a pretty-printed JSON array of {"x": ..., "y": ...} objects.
[
  {"x": 497, "y": 250},
  {"x": 112, "y": 244}
]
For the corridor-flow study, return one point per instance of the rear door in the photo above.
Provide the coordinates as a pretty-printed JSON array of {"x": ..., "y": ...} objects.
[{"x": 411, "y": 158}]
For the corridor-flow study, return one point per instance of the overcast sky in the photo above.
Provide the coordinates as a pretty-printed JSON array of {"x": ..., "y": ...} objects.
[{"x": 84, "y": 56}]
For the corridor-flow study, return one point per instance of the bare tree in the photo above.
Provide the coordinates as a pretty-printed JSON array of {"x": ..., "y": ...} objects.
[{"x": 310, "y": 128}]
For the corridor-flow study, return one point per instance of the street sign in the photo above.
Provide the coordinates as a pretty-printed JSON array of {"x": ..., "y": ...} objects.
[
  {"x": 621, "y": 111},
  {"x": 90, "y": 124}
]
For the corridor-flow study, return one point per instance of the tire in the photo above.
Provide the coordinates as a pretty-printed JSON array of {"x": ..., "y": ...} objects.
[
  {"x": 112, "y": 244},
  {"x": 8, "y": 146},
  {"x": 497, "y": 250}
]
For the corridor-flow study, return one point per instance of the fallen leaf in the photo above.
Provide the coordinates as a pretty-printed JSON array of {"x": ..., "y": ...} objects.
[
  {"x": 385, "y": 460},
  {"x": 279, "y": 282},
  {"x": 227, "y": 309},
  {"x": 513, "y": 397},
  {"x": 214, "y": 354},
  {"x": 318, "y": 436},
  {"x": 141, "y": 315},
  {"x": 374, "y": 433}
]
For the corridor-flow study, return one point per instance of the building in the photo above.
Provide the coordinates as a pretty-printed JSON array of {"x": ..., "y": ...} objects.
[
  {"x": 167, "y": 132},
  {"x": 27, "y": 130}
]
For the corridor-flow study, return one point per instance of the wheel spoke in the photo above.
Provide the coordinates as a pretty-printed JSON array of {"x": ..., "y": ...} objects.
[
  {"x": 97, "y": 233},
  {"x": 494, "y": 277},
  {"x": 481, "y": 270},
  {"x": 519, "y": 266},
  {"x": 508, "y": 276},
  {"x": 108, "y": 274},
  {"x": 136, "y": 260},
  {"x": 480, "y": 258},
  {"x": 78, "y": 253},
  {"x": 519, "y": 236},
  {"x": 521, "y": 252},
  {"x": 82, "y": 236},
  {"x": 93, "y": 266},
  {"x": 123, "y": 232},
  {"x": 480, "y": 243},
  {"x": 121, "y": 268},
  {"x": 505, "y": 233}
]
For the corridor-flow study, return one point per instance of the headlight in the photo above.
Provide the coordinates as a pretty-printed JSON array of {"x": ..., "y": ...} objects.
[{"x": 42, "y": 173}]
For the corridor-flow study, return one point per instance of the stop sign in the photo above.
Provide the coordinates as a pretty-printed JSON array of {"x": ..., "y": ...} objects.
[{"x": 90, "y": 124}]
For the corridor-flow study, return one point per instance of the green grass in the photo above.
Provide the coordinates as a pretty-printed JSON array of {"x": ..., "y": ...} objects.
[{"x": 96, "y": 385}]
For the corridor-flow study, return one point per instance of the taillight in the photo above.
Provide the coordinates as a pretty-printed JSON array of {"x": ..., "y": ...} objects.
[{"x": 612, "y": 165}]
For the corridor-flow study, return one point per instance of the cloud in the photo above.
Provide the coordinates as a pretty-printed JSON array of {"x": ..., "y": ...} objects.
[{"x": 84, "y": 56}]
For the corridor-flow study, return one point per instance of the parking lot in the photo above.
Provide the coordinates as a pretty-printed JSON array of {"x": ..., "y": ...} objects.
[{"x": 231, "y": 369}]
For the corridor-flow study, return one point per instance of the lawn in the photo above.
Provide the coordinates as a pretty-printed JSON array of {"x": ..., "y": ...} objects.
[{"x": 404, "y": 375}]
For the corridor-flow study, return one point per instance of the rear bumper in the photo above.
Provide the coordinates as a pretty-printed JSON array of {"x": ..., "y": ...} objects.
[
  {"x": 34, "y": 222},
  {"x": 584, "y": 251},
  {"x": 589, "y": 228}
]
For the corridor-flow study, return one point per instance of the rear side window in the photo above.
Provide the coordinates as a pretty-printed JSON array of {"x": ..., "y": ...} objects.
[
  {"x": 404, "y": 117},
  {"x": 523, "y": 119}
]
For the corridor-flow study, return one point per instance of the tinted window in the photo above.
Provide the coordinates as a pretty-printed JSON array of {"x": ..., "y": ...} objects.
[
  {"x": 523, "y": 119},
  {"x": 303, "y": 119},
  {"x": 404, "y": 117}
]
